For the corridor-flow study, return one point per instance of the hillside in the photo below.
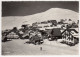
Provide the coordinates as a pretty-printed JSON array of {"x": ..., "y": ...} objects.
[{"x": 51, "y": 14}]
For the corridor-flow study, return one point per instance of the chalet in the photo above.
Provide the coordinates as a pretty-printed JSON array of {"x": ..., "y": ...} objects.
[
  {"x": 70, "y": 35},
  {"x": 11, "y": 34},
  {"x": 54, "y": 22}
]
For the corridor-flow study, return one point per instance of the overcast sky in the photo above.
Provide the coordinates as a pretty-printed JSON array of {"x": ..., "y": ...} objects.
[{"x": 27, "y": 8}]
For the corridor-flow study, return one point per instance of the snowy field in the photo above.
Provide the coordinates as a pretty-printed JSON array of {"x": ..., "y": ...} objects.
[{"x": 20, "y": 47}]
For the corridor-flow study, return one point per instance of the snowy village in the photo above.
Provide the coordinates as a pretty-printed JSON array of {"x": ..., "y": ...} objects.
[{"x": 55, "y": 29}]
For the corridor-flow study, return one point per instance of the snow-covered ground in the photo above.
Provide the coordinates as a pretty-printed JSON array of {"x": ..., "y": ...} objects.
[
  {"x": 19, "y": 47},
  {"x": 9, "y": 22}
]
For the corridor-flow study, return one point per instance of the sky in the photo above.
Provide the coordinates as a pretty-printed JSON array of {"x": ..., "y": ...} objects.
[{"x": 21, "y": 8}]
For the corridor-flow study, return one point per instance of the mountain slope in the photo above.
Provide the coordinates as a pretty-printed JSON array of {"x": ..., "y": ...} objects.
[{"x": 51, "y": 14}]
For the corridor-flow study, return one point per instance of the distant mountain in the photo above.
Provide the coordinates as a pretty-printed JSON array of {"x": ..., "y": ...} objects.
[{"x": 51, "y": 14}]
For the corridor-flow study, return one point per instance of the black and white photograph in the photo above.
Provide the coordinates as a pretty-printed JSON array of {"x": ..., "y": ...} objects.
[{"x": 40, "y": 28}]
